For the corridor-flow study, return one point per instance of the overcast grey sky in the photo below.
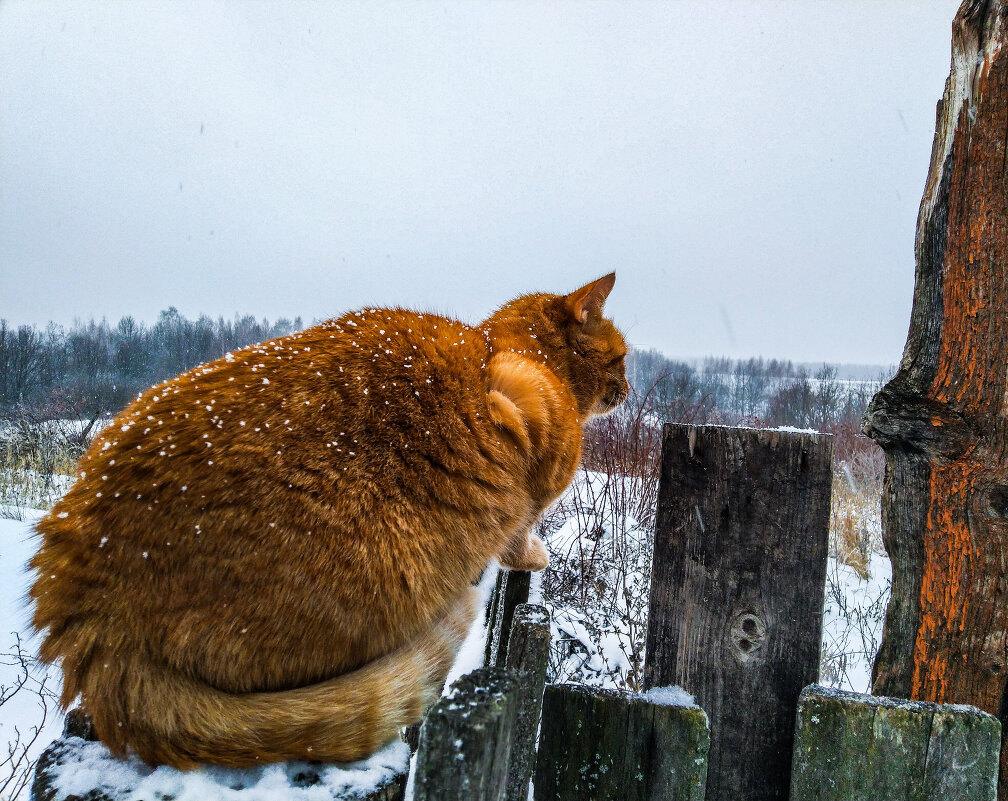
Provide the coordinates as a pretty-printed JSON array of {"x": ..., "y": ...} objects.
[{"x": 751, "y": 170}]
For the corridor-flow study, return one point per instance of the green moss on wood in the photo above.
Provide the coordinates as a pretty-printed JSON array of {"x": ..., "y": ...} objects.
[
  {"x": 604, "y": 744},
  {"x": 853, "y": 747}
]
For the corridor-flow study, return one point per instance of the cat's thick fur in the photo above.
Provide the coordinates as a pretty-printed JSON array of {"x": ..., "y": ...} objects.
[{"x": 270, "y": 556}]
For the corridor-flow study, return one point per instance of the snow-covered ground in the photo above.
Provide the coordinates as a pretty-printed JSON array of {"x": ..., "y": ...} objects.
[
  {"x": 852, "y": 623},
  {"x": 91, "y": 766}
]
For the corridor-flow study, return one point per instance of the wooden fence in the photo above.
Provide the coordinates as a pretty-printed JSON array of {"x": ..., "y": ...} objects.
[{"x": 735, "y": 618}]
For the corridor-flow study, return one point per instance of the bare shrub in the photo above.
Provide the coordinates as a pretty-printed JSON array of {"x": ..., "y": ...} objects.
[
  {"x": 600, "y": 535},
  {"x": 29, "y": 684},
  {"x": 597, "y": 587},
  {"x": 852, "y": 631}
]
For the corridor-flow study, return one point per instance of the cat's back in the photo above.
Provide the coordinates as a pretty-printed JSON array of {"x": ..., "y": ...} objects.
[{"x": 384, "y": 380}]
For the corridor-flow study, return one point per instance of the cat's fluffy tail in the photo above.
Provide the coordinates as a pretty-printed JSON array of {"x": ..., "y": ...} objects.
[{"x": 171, "y": 719}]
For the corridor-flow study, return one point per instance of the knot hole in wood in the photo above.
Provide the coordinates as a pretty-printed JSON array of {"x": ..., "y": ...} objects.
[{"x": 747, "y": 635}]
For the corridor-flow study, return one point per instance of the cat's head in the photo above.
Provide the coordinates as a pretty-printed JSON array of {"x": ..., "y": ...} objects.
[{"x": 581, "y": 346}]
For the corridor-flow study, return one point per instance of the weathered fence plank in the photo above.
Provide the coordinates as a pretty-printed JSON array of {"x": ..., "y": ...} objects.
[
  {"x": 737, "y": 591},
  {"x": 853, "y": 747},
  {"x": 512, "y": 588},
  {"x": 465, "y": 740},
  {"x": 491, "y": 619},
  {"x": 527, "y": 656},
  {"x": 962, "y": 754},
  {"x": 606, "y": 745}
]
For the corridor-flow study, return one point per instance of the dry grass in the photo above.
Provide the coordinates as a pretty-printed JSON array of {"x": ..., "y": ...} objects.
[
  {"x": 37, "y": 459},
  {"x": 850, "y": 529},
  {"x": 855, "y": 512}
]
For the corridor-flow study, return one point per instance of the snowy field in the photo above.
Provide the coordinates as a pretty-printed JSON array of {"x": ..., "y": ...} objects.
[{"x": 596, "y": 590}]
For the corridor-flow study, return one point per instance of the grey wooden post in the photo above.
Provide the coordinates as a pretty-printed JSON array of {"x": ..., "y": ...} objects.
[
  {"x": 527, "y": 656},
  {"x": 491, "y": 619},
  {"x": 853, "y": 747},
  {"x": 512, "y": 588},
  {"x": 737, "y": 591},
  {"x": 606, "y": 745},
  {"x": 466, "y": 737}
]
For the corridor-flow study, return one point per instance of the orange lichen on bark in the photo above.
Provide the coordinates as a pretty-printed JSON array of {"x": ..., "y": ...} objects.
[
  {"x": 946, "y": 583},
  {"x": 948, "y": 653}
]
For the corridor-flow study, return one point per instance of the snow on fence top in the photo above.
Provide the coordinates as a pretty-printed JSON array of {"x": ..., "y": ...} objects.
[{"x": 77, "y": 767}]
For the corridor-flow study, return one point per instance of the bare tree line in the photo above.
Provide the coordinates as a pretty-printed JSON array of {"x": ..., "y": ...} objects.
[
  {"x": 93, "y": 369},
  {"x": 754, "y": 391}
]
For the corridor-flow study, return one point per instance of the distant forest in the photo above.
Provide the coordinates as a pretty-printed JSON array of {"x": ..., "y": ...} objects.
[
  {"x": 757, "y": 392},
  {"x": 94, "y": 369}
]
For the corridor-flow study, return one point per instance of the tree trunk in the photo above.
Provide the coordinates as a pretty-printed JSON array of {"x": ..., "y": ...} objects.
[{"x": 943, "y": 419}]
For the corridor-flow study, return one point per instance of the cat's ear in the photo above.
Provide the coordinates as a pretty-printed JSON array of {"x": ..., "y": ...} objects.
[{"x": 586, "y": 303}]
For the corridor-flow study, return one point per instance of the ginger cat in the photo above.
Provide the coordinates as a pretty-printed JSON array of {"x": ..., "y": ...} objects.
[{"x": 269, "y": 556}]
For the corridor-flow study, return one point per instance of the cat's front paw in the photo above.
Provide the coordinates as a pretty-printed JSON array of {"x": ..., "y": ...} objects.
[
  {"x": 535, "y": 557},
  {"x": 538, "y": 553}
]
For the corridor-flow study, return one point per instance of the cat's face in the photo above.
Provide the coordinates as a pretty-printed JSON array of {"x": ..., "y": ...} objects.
[
  {"x": 608, "y": 362},
  {"x": 596, "y": 351}
]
